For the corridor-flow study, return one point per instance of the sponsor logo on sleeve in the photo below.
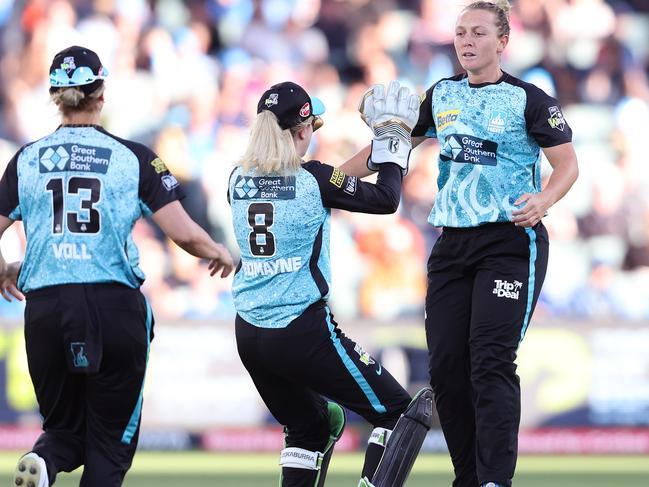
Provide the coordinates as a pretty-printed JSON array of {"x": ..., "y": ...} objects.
[
  {"x": 74, "y": 157},
  {"x": 350, "y": 187},
  {"x": 337, "y": 178},
  {"x": 169, "y": 182},
  {"x": 264, "y": 187},
  {"x": 556, "y": 119},
  {"x": 159, "y": 165},
  {"x": 447, "y": 118}
]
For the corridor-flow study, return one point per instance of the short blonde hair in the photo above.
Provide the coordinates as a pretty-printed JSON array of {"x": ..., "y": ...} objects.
[
  {"x": 500, "y": 8},
  {"x": 270, "y": 149}
]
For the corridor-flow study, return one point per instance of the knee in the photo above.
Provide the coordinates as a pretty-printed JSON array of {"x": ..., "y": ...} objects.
[
  {"x": 313, "y": 435},
  {"x": 447, "y": 371}
]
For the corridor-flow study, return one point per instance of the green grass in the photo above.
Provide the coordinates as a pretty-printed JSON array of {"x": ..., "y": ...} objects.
[{"x": 255, "y": 470}]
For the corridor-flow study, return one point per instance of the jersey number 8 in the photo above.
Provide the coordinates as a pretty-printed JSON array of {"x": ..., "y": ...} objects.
[{"x": 260, "y": 217}]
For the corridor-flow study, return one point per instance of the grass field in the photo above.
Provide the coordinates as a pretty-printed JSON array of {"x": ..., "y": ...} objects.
[{"x": 255, "y": 470}]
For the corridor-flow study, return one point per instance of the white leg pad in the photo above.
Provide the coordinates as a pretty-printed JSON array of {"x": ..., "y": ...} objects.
[{"x": 293, "y": 457}]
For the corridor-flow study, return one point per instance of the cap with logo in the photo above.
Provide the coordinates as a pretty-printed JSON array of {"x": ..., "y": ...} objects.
[
  {"x": 77, "y": 66},
  {"x": 290, "y": 103}
]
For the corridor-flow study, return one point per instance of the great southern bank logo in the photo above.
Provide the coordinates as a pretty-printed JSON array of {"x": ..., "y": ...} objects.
[
  {"x": 74, "y": 157},
  {"x": 55, "y": 158},
  {"x": 245, "y": 188}
]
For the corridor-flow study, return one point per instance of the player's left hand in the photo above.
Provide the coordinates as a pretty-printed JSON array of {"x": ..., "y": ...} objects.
[
  {"x": 535, "y": 205},
  {"x": 8, "y": 282}
]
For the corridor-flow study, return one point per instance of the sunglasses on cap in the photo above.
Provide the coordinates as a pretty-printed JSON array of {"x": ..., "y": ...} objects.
[
  {"x": 83, "y": 75},
  {"x": 316, "y": 123}
]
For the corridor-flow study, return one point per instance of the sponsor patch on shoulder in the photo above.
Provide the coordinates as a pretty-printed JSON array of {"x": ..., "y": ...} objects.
[
  {"x": 169, "y": 182},
  {"x": 264, "y": 187},
  {"x": 159, "y": 165},
  {"x": 337, "y": 178},
  {"x": 350, "y": 186},
  {"x": 556, "y": 119}
]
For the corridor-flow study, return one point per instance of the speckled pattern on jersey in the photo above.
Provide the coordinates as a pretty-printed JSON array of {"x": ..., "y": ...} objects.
[
  {"x": 487, "y": 157},
  {"x": 98, "y": 206},
  {"x": 279, "y": 276}
]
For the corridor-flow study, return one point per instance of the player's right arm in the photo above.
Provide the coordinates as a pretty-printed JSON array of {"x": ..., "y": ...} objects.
[
  {"x": 161, "y": 194},
  {"x": 174, "y": 221},
  {"x": 9, "y": 206}
]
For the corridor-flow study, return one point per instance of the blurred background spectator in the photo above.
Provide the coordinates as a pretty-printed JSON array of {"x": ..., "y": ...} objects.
[{"x": 185, "y": 77}]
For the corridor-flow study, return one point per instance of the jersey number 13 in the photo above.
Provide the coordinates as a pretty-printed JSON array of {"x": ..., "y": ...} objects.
[{"x": 85, "y": 219}]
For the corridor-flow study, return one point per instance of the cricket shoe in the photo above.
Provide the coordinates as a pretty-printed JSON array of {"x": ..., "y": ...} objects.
[{"x": 31, "y": 472}]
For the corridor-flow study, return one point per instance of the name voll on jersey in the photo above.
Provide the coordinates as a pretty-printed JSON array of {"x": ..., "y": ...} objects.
[
  {"x": 71, "y": 251},
  {"x": 74, "y": 157},
  {"x": 271, "y": 267}
]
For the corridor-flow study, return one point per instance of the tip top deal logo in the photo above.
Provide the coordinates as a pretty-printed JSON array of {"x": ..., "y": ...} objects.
[
  {"x": 245, "y": 187},
  {"x": 273, "y": 99},
  {"x": 556, "y": 119}
]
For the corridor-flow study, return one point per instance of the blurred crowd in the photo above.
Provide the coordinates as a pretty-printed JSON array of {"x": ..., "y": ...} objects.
[{"x": 185, "y": 77}]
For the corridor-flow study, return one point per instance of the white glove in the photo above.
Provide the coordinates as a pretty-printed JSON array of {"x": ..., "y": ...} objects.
[{"x": 392, "y": 118}]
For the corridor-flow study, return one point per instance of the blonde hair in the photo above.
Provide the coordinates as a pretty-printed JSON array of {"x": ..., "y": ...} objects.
[
  {"x": 73, "y": 99},
  {"x": 270, "y": 149},
  {"x": 500, "y": 8}
]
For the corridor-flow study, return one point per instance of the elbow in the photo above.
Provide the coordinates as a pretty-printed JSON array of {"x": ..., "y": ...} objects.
[{"x": 391, "y": 203}]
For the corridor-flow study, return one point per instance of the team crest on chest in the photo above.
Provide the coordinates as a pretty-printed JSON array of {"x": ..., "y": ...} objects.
[{"x": 497, "y": 121}]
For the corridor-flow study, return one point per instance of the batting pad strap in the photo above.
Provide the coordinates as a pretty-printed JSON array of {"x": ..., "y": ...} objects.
[
  {"x": 379, "y": 436},
  {"x": 294, "y": 457}
]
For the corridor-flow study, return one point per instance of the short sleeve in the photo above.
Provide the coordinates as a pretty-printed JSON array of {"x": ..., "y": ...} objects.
[
  {"x": 158, "y": 186},
  {"x": 426, "y": 124},
  {"x": 9, "y": 201},
  {"x": 545, "y": 121}
]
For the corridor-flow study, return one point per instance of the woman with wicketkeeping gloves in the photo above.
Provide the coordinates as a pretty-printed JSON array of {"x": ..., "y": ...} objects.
[{"x": 286, "y": 334}]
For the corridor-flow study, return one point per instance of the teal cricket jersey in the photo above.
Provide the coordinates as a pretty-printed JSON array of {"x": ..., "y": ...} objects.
[
  {"x": 281, "y": 223},
  {"x": 79, "y": 192},
  {"x": 490, "y": 138}
]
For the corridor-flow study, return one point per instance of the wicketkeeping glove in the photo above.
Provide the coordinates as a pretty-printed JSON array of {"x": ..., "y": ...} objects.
[{"x": 391, "y": 116}]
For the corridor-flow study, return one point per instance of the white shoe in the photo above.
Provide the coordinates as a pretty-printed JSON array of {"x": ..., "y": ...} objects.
[{"x": 31, "y": 472}]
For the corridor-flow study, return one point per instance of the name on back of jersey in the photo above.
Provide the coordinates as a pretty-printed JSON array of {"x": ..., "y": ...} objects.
[
  {"x": 73, "y": 157},
  {"x": 271, "y": 267},
  {"x": 264, "y": 187},
  {"x": 71, "y": 251}
]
